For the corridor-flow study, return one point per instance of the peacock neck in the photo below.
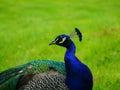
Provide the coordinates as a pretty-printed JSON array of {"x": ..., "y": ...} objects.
[
  {"x": 71, "y": 61},
  {"x": 71, "y": 49},
  {"x": 72, "y": 65}
]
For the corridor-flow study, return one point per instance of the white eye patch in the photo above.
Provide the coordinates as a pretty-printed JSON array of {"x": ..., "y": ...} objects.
[{"x": 63, "y": 39}]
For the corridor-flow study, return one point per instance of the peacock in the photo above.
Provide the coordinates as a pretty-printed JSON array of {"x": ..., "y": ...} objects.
[{"x": 71, "y": 74}]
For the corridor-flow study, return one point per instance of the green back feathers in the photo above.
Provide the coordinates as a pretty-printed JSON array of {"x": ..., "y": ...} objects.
[
  {"x": 46, "y": 65},
  {"x": 10, "y": 77}
]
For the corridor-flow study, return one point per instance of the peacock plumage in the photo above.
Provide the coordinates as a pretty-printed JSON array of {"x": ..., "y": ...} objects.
[
  {"x": 20, "y": 77},
  {"x": 49, "y": 74}
]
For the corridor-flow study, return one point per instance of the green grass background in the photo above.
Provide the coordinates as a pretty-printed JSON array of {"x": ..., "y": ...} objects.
[{"x": 27, "y": 27}]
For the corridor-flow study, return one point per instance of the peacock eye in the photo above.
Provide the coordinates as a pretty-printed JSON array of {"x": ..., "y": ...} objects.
[{"x": 63, "y": 40}]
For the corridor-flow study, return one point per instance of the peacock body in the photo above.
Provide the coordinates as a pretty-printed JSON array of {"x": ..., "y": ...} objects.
[
  {"x": 49, "y": 74},
  {"x": 23, "y": 76}
]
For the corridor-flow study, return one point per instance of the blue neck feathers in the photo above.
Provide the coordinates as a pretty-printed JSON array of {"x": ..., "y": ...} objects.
[
  {"x": 78, "y": 75},
  {"x": 71, "y": 62}
]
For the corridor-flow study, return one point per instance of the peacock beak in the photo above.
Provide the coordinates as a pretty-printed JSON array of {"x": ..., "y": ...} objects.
[{"x": 53, "y": 42}]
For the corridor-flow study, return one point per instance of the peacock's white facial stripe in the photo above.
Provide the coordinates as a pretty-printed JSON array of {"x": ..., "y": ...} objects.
[
  {"x": 63, "y": 39},
  {"x": 55, "y": 40}
]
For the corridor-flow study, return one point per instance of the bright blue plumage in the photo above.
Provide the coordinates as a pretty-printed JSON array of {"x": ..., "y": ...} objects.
[
  {"x": 48, "y": 74},
  {"x": 78, "y": 75}
]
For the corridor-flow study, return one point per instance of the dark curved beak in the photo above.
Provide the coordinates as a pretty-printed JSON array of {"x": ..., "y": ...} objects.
[{"x": 53, "y": 42}]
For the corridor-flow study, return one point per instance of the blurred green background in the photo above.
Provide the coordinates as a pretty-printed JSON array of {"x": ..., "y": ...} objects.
[{"x": 27, "y": 27}]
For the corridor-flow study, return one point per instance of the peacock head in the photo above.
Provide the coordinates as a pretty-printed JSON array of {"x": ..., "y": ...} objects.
[
  {"x": 61, "y": 40},
  {"x": 65, "y": 40}
]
